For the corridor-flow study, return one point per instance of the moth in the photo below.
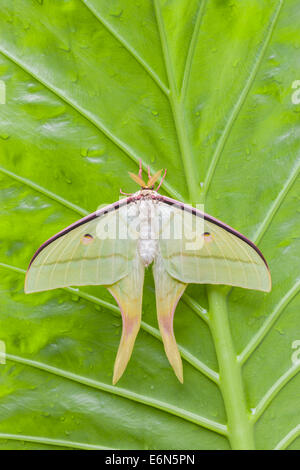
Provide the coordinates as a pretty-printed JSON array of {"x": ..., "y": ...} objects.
[{"x": 113, "y": 246}]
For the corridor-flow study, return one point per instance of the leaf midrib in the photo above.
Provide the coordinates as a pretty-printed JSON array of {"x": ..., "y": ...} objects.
[
  {"x": 271, "y": 214},
  {"x": 190, "y": 177}
]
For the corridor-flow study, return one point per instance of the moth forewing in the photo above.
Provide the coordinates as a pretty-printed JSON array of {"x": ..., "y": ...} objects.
[
  {"x": 218, "y": 254},
  {"x": 64, "y": 260}
]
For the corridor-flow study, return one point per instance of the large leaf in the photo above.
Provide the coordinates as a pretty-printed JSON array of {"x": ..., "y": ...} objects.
[{"x": 203, "y": 88}]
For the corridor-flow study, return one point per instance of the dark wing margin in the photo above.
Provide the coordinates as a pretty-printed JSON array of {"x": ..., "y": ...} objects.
[
  {"x": 94, "y": 215},
  {"x": 70, "y": 262},
  {"x": 194, "y": 267},
  {"x": 213, "y": 220}
]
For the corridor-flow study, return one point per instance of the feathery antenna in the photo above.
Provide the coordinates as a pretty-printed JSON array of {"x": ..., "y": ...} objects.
[{"x": 151, "y": 179}]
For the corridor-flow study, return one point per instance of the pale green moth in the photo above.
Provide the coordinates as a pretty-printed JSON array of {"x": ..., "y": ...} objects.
[{"x": 114, "y": 245}]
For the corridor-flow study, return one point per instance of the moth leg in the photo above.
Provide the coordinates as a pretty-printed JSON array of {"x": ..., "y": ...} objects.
[
  {"x": 140, "y": 169},
  {"x": 125, "y": 194},
  {"x": 161, "y": 181}
]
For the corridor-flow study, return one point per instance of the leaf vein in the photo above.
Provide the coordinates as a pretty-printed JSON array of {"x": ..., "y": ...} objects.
[
  {"x": 239, "y": 103},
  {"x": 128, "y": 47},
  {"x": 187, "y": 356},
  {"x": 128, "y": 151},
  {"x": 191, "y": 51},
  {"x": 177, "y": 111},
  {"x": 53, "y": 442},
  {"x": 273, "y": 391},
  {"x": 45, "y": 192},
  {"x": 125, "y": 393},
  {"x": 267, "y": 325},
  {"x": 287, "y": 440},
  {"x": 277, "y": 203}
]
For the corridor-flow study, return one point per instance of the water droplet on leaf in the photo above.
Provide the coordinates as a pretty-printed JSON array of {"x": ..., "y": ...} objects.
[
  {"x": 116, "y": 13},
  {"x": 84, "y": 152}
]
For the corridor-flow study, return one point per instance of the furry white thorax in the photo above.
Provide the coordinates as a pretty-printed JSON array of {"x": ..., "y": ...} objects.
[{"x": 147, "y": 211}]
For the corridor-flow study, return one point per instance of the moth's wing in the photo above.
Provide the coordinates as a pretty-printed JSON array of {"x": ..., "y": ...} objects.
[
  {"x": 95, "y": 250},
  {"x": 168, "y": 292},
  {"x": 196, "y": 248},
  {"x": 128, "y": 292}
]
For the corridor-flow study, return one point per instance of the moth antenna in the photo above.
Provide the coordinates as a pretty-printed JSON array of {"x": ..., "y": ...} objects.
[
  {"x": 153, "y": 179},
  {"x": 137, "y": 179},
  {"x": 149, "y": 175},
  {"x": 161, "y": 181},
  {"x": 140, "y": 169}
]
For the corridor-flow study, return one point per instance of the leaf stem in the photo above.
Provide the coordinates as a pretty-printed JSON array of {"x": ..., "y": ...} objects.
[{"x": 240, "y": 428}]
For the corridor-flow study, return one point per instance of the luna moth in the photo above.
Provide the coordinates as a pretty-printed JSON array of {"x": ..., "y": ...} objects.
[{"x": 113, "y": 246}]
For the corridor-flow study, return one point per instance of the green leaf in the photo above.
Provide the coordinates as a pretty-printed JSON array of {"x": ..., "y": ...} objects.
[{"x": 205, "y": 89}]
